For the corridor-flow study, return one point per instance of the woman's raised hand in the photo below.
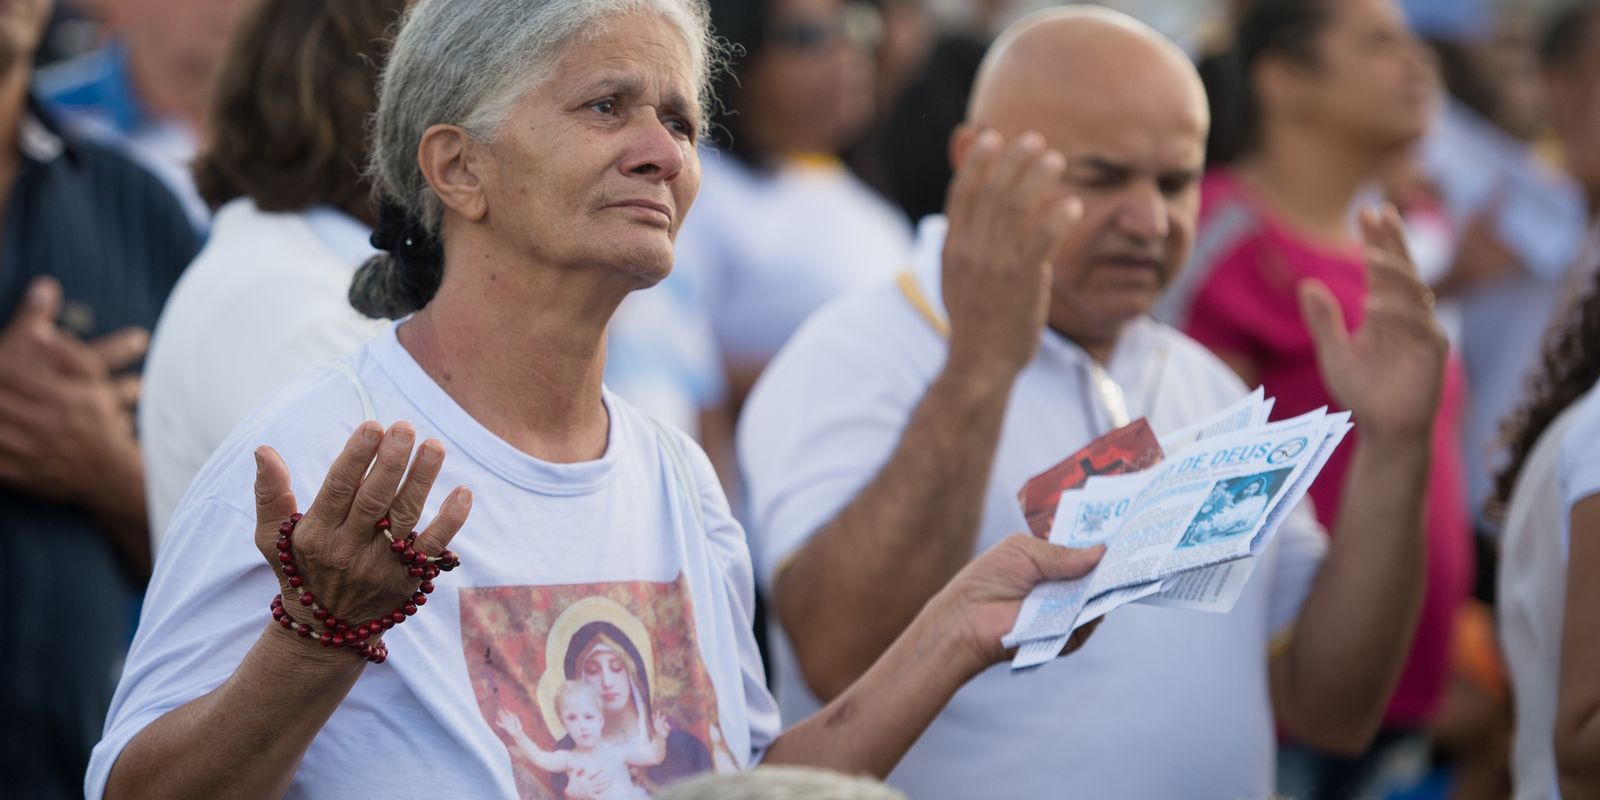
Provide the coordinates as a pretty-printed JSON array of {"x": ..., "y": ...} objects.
[{"x": 337, "y": 555}]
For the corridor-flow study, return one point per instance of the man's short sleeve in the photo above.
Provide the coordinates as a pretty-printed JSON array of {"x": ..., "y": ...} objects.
[{"x": 826, "y": 415}]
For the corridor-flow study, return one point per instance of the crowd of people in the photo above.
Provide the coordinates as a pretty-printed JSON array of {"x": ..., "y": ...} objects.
[{"x": 602, "y": 398}]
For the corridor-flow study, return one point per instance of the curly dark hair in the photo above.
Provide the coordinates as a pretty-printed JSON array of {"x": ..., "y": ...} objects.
[
  {"x": 1571, "y": 366},
  {"x": 287, "y": 121}
]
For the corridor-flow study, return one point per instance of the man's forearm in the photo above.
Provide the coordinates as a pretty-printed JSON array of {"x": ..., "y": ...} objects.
[
  {"x": 245, "y": 738},
  {"x": 868, "y": 728},
  {"x": 1356, "y": 626},
  {"x": 901, "y": 539}
]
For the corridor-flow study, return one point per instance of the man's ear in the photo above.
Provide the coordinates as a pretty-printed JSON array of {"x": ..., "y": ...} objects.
[
  {"x": 448, "y": 160},
  {"x": 961, "y": 140}
]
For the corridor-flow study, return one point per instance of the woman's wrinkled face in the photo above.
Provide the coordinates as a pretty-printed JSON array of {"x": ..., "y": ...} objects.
[
  {"x": 597, "y": 167},
  {"x": 608, "y": 674}
]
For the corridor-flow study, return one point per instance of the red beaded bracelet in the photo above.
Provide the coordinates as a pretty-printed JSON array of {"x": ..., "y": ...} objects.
[{"x": 362, "y": 638}]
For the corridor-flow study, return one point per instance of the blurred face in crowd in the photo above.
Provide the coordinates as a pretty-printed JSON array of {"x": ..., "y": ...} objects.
[
  {"x": 1574, "y": 92},
  {"x": 1370, "y": 79},
  {"x": 190, "y": 35},
  {"x": 811, "y": 88},
  {"x": 597, "y": 166},
  {"x": 22, "y": 25},
  {"x": 1129, "y": 114}
]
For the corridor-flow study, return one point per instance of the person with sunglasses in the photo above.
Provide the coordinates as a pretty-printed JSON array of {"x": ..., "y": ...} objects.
[{"x": 782, "y": 225}]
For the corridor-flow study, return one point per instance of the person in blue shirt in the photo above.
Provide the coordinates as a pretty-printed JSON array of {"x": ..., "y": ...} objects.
[
  {"x": 90, "y": 246},
  {"x": 144, "y": 91}
]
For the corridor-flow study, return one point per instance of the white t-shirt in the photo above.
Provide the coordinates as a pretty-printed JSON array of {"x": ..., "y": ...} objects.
[
  {"x": 265, "y": 301},
  {"x": 1161, "y": 703},
  {"x": 766, "y": 250},
  {"x": 1533, "y": 580},
  {"x": 662, "y": 355},
  {"x": 628, "y": 569},
  {"x": 1532, "y": 598}
]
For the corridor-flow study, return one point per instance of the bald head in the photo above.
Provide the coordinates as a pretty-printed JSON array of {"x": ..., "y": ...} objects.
[
  {"x": 1075, "y": 60},
  {"x": 1125, "y": 109}
]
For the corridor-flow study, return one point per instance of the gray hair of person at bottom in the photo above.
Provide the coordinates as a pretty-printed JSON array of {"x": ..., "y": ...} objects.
[
  {"x": 780, "y": 783},
  {"x": 467, "y": 63}
]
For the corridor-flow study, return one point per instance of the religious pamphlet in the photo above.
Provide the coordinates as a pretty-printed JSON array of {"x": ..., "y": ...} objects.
[{"x": 1182, "y": 522}]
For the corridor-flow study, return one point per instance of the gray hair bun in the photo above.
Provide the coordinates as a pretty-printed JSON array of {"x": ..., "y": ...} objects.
[{"x": 403, "y": 278}]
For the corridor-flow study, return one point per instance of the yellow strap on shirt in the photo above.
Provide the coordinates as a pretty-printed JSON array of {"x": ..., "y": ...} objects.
[
  {"x": 913, "y": 293},
  {"x": 908, "y": 287},
  {"x": 1280, "y": 643}
]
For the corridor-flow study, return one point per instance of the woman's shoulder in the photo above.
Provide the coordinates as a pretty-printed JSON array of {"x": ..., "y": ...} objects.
[
  {"x": 1230, "y": 220},
  {"x": 646, "y": 435},
  {"x": 1580, "y": 459},
  {"x": 256, "y": 263},
  {"x": 306, "y": 421},
  {"x": 685, "y": 466}
]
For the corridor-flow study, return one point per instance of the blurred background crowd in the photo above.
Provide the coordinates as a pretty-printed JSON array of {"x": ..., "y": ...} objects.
[{"x": 831, "y": 143}]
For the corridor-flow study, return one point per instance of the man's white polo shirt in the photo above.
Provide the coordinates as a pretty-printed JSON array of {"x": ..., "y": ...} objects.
[{"x": 1161, "y": 703}]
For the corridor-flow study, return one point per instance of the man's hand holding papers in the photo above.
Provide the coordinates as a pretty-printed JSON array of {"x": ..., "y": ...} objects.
[{"x": 1183, "y": 532}]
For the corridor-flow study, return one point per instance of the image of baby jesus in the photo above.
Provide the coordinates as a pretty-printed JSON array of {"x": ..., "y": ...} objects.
[
  {"x": 598, "y": 761},
  {"x": 1228, "y": 513}
]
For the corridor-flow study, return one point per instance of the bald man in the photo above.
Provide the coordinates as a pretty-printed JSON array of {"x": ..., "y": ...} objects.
[{"x": 886, "y": 445}]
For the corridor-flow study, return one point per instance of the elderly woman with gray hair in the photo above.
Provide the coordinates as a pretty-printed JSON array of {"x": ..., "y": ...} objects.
[{"x": 536, "y": 158}]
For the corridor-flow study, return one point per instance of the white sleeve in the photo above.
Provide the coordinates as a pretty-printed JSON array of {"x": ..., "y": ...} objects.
[
  {"x": 207, "y": 604},
  {"x": 729, "y": 545},
  {"x": 1579, "y": 471},
  {"x": 822, "y": 421},
  {"x": 1580, "y": 460},
  {"x": 1301, "y": 546}
]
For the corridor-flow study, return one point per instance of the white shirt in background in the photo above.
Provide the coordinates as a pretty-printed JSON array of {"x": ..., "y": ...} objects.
[
  {"x": 1532, "y": 598},
  {"x": 662, "y": 355},
  {"x": 765, "y": 250},
  {"x": 640, "y": 539},
  {"x": 1541, "y": 218},
  {"x": 1563, "y": 470},
  {"x": 1162, "y": 702},
  {"x": 266, "y": 300}
]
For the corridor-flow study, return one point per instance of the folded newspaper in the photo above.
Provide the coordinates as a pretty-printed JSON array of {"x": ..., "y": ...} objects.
[{"x": 1182, "y": 520}]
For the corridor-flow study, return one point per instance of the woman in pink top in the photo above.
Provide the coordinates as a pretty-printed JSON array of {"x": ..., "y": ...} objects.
[{"x": 1329, "y": 94}]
